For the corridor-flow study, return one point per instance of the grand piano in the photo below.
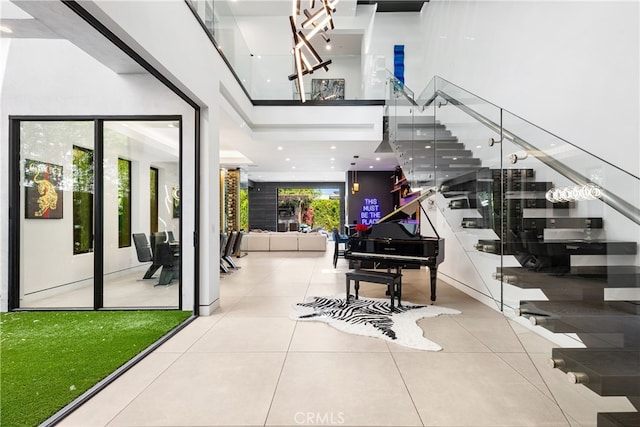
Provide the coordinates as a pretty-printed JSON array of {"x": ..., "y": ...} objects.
[{"x": 393, "y": 243}]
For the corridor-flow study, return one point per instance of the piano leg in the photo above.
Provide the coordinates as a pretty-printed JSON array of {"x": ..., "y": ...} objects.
[{"x": 433, "y": 272}]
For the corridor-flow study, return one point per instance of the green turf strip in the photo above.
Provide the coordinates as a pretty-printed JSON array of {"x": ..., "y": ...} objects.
[{"x": 49, "y": 358}]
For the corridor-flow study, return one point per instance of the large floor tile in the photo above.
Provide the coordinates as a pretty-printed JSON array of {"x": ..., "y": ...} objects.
[
  {"x": 522, "y": 363},
  {"x": 448, "y": 334},
  {"x": 320, "y": 337},
  {"x": 246, "y": 334},
  {"x": 269, "y": 306},
  {"x": 107, "y": 404},
  {"x": 495, "y": 333},
  {"x": 208, "y": 389},
  {"x": 466, "y": 389},
  {"x": 184, "y": 339},
  {"x": 353, "y": 389},
  {"x": 577, "y": 401}
]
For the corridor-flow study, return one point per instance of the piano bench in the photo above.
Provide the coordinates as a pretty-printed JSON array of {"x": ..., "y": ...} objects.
[{"x": 392, "y": 280}]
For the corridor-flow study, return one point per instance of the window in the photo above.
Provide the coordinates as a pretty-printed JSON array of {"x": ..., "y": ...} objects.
[
  {"x": 124, "y": 203},
  {"x": 82, "y": 200},
  {"x": 153, "y": 200}
]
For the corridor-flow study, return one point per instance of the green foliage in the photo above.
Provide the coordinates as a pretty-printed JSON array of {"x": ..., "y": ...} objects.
[
  {"x": 244, "y": 209},
  {"x": 51, "y": 358},
  {"x": 300, "y": 193},
  {"x": 326, "y": 213},
  {"x": 82, "y": 200},
  {"x": 124, "y": 203}
]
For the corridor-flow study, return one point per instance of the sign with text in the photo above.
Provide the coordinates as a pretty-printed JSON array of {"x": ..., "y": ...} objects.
[{"x": 370, "y": 211}]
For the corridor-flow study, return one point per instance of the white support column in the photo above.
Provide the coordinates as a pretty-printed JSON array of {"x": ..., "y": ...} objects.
[{"x": 209, "y": 211}]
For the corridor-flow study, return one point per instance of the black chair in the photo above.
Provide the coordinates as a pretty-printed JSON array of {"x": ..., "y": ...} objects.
[
  {"x": 338, "y": 239},
  {"x": 228, "y": 250},
  {"x": 236, "y": 247},
  {"x": 167, "y": 257},
  {"x": 223, "y": 247},
  {"x": 145, "y": 254}
]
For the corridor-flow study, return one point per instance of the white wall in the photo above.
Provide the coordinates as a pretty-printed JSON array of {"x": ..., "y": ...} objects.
[
  {"x": 71, "y": 84},
  {"x": 570, "y": 67},
  {"x": 390, "y": 29}
]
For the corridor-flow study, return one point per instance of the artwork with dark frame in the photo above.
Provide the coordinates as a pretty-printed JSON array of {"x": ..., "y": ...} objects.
[
  {"x": 43, "y": 190},
  {"x": 327, "y": 89}
]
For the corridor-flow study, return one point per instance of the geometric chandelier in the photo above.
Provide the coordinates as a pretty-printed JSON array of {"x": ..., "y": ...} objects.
[{"x": 317, "y": 22}]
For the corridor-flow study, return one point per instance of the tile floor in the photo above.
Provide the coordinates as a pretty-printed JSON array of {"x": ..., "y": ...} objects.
[{"x": 250, "y": 365}]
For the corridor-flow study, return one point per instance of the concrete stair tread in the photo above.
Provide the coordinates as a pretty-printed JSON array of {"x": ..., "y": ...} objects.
[{"x": 607, "y": 371}]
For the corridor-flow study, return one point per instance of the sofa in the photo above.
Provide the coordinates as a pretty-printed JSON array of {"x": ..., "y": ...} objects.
[{"x": 283, "y": 241}]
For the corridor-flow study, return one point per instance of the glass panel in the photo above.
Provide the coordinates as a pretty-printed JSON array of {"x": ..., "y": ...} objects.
[
  {"x": 146, "y": 274},
  {"x": 470, "y": 196},
  {"x": 56, "y": 220},
  {"x": 578, "y": 235}
]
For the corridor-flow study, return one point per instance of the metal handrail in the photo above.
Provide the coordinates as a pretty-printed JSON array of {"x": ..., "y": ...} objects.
[{"x": 616, "y": 202}]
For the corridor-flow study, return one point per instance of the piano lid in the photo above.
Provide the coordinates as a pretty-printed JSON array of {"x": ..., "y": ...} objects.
[{"x": 406, "y": 210}]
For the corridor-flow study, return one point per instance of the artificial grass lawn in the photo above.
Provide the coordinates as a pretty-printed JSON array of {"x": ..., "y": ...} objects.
[{"x": 50, "y": 358}]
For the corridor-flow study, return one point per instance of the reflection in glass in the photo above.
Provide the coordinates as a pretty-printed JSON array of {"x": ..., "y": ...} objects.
[
  {"x": 124, "y": 203},
  {"x": 82, "y": 200},
  {"x": 141, "y": 203},
  {"x": 153, "y": 199},
  {"x": 56, "y": 218}
]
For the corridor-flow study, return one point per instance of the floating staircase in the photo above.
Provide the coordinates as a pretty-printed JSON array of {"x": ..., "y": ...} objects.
[
  {"x": 533, "y": 230},
  {"x": 610, "y": 330}
]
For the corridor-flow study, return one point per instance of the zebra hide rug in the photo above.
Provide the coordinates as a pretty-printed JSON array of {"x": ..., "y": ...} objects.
[{"x": 371, "y": 317}]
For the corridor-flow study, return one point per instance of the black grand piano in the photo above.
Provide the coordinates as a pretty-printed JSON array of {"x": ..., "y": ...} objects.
[{"x": 390, "y": 243}]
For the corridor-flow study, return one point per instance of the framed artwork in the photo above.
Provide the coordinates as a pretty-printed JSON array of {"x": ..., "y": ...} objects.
[
  {"x": 327, "y": 89},
  {"x": 175, "y": 196},
  {"x": 43, "y": 190}
]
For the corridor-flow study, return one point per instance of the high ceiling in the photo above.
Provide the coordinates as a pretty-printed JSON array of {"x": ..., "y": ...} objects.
[{"x": 318, "y": 160}]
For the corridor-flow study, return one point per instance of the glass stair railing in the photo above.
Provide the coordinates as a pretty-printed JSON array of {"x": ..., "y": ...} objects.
[{"x": 546, "y": 231}]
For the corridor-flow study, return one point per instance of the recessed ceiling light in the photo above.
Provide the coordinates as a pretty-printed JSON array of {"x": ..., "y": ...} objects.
[
  {"x": 328, "y": 47},
  {"x": 280, "y": 147},
  {"x": 293, "y": 167},
  {"x": 333, "y": 159},
  {"x": 333, "y": 167},
  {"x": 478, "y": 146},
  {"x": 455, "y": 158},
  {"x": 377, "y": 159},
  {"x": 427, "y": 146},
  {"x": 333, "y": 147},
  {"x": 287, "y": 159},
  {"x": 370, "y": 166},
  {"x": 268, "y": 80},
  {"x": 5, "y": 29}
]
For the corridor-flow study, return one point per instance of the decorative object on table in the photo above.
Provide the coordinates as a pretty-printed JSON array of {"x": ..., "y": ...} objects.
[
  {"x": 371, "y": 317},
  {"x": 327, "y": 89},
  {"x": 43, "y": 190}
]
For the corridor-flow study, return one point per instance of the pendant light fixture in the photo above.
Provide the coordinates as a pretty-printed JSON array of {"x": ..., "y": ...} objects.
[{"x": 318, "y": 22}]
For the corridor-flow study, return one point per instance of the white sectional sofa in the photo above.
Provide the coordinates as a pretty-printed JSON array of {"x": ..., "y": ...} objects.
[{"x": 287, "y": 241}]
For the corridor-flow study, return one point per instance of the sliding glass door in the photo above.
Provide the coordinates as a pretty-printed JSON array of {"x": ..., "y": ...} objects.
[
  {"x": 141, "y": 163},
  {"x": 90, "y": 192},
  {"x": 56, "y": 214}
]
